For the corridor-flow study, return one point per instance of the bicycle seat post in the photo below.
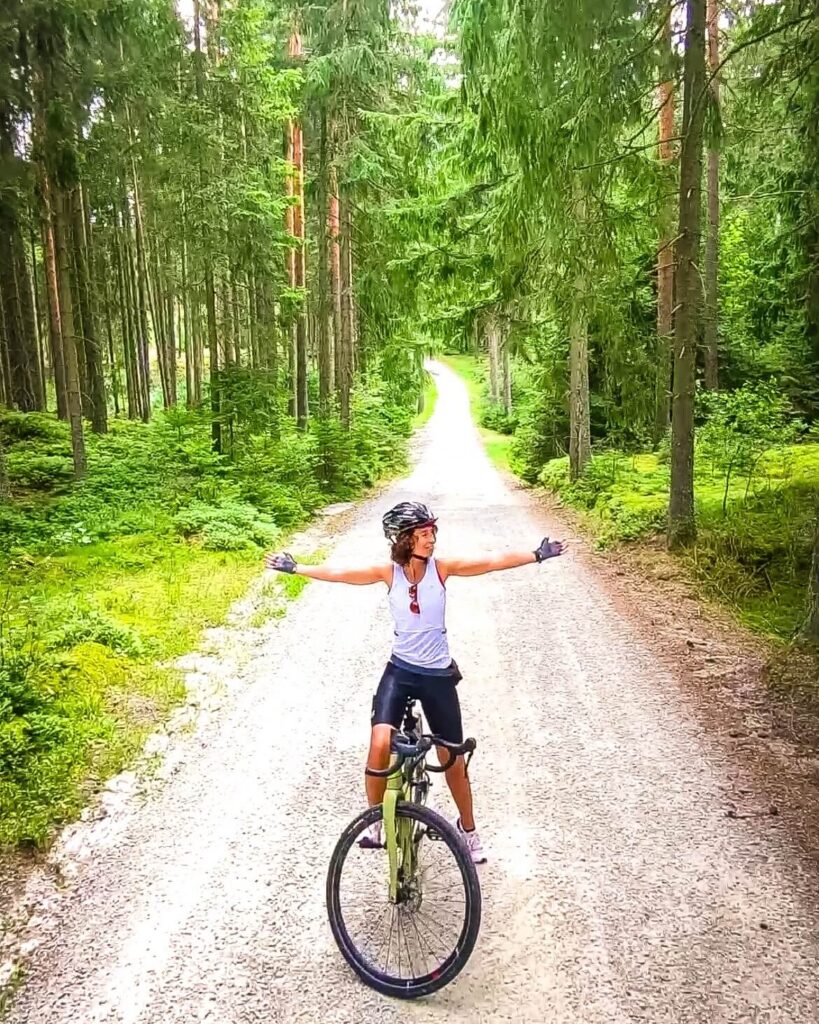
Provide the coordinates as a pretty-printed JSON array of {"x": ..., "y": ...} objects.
[{"x": 412, "y": 722}]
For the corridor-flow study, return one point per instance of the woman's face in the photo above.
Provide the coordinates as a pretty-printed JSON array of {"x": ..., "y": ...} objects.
[{"x": 424, "y": 541}]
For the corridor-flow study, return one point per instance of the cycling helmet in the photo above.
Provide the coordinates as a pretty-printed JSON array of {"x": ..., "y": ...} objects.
[{"x": 406, "y": 515}]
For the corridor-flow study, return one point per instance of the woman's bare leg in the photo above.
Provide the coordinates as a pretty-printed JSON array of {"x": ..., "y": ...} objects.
[
  {"x": 379, "y": 759},
  {"x": 458, "y": 782}
]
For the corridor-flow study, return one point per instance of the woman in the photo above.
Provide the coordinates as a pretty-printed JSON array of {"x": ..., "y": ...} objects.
[{"x": 420, "y": 665}]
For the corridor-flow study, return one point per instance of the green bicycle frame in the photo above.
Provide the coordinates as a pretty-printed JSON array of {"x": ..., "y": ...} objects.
[{"x": 398, "y": 839}]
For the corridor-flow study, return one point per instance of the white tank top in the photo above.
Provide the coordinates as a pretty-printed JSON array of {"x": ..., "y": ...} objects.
[{"x": 420, "y": 637}]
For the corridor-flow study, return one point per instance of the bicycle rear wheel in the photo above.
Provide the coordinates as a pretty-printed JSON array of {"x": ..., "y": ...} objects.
[{"x": 415, "y": 946}]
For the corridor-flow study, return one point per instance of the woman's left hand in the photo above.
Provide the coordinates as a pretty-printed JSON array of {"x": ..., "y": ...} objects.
[{"x": 549, "y": 549}]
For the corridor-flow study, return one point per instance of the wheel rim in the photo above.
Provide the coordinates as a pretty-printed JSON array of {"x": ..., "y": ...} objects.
[{"x": 416, "y": 941}]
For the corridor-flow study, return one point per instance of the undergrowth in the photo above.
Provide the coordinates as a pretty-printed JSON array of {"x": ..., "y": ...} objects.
[{"x": 104, "y": 582}]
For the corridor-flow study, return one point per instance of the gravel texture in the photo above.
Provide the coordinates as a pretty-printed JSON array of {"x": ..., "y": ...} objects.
[{"x": 620, "y": 888}]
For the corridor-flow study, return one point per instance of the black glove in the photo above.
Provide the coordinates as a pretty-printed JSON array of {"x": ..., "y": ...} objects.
[
  {"x": 283, "y": 562},
  {"x": 549, "y": 549}
]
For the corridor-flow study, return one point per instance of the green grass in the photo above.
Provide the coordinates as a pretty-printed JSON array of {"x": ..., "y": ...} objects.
[
  {"x": 753, "y": 555},
  {"x": 87, "y": 641},
  {"x": 473, "y": 373}
]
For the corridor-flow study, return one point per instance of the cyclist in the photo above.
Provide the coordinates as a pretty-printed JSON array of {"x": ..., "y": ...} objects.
[{"x": 420, "y": 665}]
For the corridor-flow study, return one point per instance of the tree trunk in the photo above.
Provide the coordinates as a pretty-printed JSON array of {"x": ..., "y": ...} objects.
[
  {"x": 26, "y": 386},
  {"x": 665, "y": 259},
  {"x": 191, "y": 400},
  {"x": 506, "y": 374},
  {"x": 492, "y": 348},
  {"x": 5, "y": 369},
  {"x": 334, "y": 232},
  {"x": 5, "y": 486},
  {"x": 62, "y": 220},
  {"x": 18, "y": 317},
  {"x": 97, "y": 402},
  {"x": 53, "y": 299},
  {"x": 579, "y": 414},
  {"x": 38, "y": 320},
  {"x": 109, "y": 334},
  {"x": 295, "y": 189},
  {"x": 210, "y": 288},
  {"x": 711, "y": 312},
  {"x": 137, "y": 288},
  {"x": 324, "y": 302},
  {"x": 811, "y": 627},
  {"x": 122, "y": 261},
  {"x": 347, "y": 328},
  {"x": 681, "y": 522},
  {"x": 167, "y": 300}
]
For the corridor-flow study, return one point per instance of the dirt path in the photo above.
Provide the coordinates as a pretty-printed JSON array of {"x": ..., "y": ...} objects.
[{"x": 618, "y": 890}]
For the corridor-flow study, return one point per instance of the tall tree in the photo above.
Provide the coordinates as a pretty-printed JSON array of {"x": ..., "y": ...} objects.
[
  {"x": 97, "y": 399},
  {"x": 665, "y": 254},
  {"x": 681, "y": 520},
  {"x": 296, "y": 258},
  {"x": 210, "y": 287},
  {"x": 711, "y": 310}
]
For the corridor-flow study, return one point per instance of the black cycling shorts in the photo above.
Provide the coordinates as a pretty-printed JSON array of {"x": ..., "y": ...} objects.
[{"x": 437, "y": 695}]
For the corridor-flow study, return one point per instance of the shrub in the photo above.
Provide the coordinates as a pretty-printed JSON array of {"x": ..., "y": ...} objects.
[
  {"x": 36, "y": 472},
  {"x": 229, "y": 525}
]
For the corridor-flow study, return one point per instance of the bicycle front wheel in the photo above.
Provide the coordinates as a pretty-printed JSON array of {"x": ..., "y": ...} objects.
[{"x": 418, "y": 943}]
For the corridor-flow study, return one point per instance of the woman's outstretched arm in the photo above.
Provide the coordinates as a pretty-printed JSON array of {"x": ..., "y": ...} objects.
[
  {"x": 478, "y": 566},
  {"x": 284, "y": 562}
]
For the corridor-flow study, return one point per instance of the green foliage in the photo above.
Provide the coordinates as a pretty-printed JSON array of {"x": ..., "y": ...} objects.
[
  {"x": 753, "y": 551},
  {"x": 741, "y": 427},
  {"x": 124, "y": 569},
  {"x": 226, "y": 526}
]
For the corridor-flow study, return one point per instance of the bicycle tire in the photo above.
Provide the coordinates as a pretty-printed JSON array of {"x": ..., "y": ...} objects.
[{"x": 392, "y": 985}]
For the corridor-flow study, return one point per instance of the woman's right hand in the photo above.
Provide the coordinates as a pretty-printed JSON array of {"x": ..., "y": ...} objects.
[{"x": 282, "y": 562}]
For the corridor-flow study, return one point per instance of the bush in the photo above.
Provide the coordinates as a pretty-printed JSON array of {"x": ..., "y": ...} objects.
[
  {"x": 494, "y": 417},
  {"x": 89, "y": 626},
  {"x": 226, "y": 526},
  {"x": 17, "y": 427},
  {"x": 35, "y": 472}
]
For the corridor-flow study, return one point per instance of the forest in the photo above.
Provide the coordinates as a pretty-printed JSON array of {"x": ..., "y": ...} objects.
[{"x": 232, "y": 231}]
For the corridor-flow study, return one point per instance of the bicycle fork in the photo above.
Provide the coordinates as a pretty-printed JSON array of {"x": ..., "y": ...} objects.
[{"x": 394, "y": 842}]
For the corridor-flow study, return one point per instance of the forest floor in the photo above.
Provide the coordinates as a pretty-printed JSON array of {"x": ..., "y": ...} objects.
[{"x": 651, "y": 823}]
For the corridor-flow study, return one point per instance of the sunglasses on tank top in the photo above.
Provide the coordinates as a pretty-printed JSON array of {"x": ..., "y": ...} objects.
[{"x": 415, "y": 608}]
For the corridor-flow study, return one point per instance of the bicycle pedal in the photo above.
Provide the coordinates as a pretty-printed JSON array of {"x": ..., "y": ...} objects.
[{"x": 434, "y": 834}]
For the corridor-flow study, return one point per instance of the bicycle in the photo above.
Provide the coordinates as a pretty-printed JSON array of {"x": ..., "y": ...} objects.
[{"x": 425, "y": 896}]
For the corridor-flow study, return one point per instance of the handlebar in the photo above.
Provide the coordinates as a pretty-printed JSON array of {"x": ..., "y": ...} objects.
[{"x": 407, "y": 750}]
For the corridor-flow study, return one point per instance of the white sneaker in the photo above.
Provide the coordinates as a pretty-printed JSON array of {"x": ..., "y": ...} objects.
[
  {"x": 371, "y": 837},
  {"x": 473, "y": 843}
]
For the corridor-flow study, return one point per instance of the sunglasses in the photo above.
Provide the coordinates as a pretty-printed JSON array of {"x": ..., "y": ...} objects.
[{"x": 415, "y": 608}]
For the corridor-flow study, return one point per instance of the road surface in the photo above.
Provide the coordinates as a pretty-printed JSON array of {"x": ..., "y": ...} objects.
[{"x": 617, "y": 888}]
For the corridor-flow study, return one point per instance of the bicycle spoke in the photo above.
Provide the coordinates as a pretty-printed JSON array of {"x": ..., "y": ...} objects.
[
  {"x": 423, "y": 945},
  {"x": 439, "y": 958}
]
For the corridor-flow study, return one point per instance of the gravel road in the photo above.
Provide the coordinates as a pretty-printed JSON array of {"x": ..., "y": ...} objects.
[{"x": 617, "y": 889}]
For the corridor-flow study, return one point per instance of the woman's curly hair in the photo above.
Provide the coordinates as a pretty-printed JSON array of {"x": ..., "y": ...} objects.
[{"x": 401, "y": 548}]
